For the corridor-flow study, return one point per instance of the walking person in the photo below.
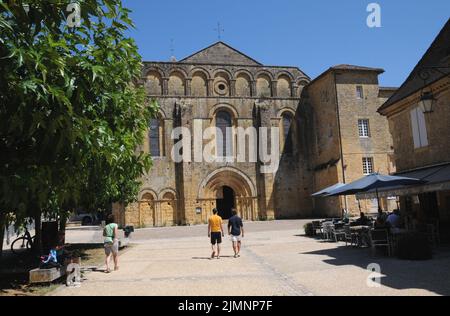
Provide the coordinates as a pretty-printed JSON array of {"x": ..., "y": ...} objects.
[
  {"x": 111, "y": 242},
  {"x": 215, "y": 232},
  {"x": 236, "y": 231}
]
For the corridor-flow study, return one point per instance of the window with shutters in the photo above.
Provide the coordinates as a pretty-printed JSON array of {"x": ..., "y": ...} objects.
[{"x": 419, "y": 128}]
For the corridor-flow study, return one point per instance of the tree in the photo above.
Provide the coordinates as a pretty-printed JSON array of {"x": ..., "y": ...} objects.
[{"x": 72, "y": 112}]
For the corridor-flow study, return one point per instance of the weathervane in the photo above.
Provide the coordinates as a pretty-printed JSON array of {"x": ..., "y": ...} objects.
[{"x": 219, "y": 30}]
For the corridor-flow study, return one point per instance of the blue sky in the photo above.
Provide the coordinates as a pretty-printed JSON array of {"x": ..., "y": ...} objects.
[{"x": 312, "y": 35}]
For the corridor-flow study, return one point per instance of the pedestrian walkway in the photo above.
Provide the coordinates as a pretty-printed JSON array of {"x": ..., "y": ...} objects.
[{"x": 276, "y": 260}]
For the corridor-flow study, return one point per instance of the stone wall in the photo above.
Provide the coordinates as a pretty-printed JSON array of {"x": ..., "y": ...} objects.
[
  {"x": 326, "y": 147},
  {"x": 190, "y": 94},
  {"x": 438, "y": 131},
  {"x": 336, "y": 111}
]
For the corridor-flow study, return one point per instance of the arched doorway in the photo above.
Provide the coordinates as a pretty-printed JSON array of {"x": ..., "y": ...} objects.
[
  {"x": 227, "y": 188},
  {"x": 168, "y": 209},
  {"x": 147, "y": 210},
  {"x": 226, "y": 203}
]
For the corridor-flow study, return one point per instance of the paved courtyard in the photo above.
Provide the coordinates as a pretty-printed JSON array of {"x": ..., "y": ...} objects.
[{"x": 276, "y": 260}]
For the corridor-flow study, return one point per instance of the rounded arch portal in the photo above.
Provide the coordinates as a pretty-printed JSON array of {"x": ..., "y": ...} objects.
[{"x": 230, "y": 188}]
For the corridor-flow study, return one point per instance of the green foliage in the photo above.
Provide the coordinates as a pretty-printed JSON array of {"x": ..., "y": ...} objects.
[
  {"x": 309, "y": 229},
  {"x": 72, "y": 112}
]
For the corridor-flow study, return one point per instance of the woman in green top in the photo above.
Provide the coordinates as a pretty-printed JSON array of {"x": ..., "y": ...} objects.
[{"x": 111, "y": 242}]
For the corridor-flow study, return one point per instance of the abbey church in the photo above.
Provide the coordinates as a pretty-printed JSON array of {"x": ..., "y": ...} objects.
[{"x": 330, "y": 132}]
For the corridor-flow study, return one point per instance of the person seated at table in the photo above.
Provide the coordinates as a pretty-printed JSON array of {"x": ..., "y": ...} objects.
[
  {"x": 363, "y": 220},
  {"x": 394, "y": 219},
  {"x": 380, "y": 222}
]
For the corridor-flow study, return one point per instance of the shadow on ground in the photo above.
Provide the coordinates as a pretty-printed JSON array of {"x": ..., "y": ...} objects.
[{"x": 432, "y": 275}]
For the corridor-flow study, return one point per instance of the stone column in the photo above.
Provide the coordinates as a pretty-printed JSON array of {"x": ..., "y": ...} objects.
[
  {"x": 253, "y": 93},
  {"x": 210, "y": 87},
  {"x": 294, "y": 90},
  {"x": 274, "y": 88},
  {"x": 140, "y": 213},
  {"x": 188, "y": 86},
  {"x": 232, "y": 87},
  {"x": 165, "y": 82}
]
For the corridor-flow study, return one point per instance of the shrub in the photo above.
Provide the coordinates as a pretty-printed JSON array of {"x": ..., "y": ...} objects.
[{"x": 309, "y": 231}]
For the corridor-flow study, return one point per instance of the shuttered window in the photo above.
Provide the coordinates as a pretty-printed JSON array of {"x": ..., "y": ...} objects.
[{"x": 419, "y": 128}]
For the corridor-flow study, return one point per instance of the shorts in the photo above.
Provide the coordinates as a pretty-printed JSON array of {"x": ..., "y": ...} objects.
[
  {"x": 236, "y": 238},
  {"x": 112, "y": 248},
  {"x": 216, "y": 238}
]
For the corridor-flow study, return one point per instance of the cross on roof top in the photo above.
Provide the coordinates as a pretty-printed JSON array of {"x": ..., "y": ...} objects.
[{"x": 219, "y": 30}]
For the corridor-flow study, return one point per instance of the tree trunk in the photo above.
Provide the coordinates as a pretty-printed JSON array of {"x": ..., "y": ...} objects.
[
  {"x": 38, "y": 232},
  {"x": 62, "y": 230},
  {"x": 2, "y": 231}
]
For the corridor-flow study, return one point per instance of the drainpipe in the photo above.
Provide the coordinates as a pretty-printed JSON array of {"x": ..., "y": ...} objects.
[{"x": 340, "y": 137}]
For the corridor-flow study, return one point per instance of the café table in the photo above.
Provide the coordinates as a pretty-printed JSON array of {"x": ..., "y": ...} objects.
[{"x": 363, "y": 233}]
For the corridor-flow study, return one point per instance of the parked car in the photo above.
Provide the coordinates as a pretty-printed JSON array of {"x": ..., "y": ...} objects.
[{"x": 85, "y": 218}]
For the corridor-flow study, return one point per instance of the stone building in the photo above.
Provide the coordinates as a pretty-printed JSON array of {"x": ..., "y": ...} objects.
[
  {"x": 222, "y": 87},
  {"x": 350, "y": 139},
  {"x": 421, "y": 135}
]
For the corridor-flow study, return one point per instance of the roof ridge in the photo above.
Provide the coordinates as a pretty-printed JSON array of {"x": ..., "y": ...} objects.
[{"x": 226, "y": 45}]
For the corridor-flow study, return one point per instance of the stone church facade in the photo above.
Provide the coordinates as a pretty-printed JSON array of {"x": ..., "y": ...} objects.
[{"x": 222, "y": 87}]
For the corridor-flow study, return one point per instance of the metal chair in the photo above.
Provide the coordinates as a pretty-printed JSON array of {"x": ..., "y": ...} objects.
[
  {"x": 327, "y": 230},
  {"x": 380, "y": 238},
  {"x": 349, "y": 236},
  {"x": 339, "y": 234}
]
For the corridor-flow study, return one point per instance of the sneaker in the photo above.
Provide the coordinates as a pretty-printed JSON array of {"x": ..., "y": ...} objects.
[
  {"x": 235, "y": 256},
  {"x": 218, "y": 257}
]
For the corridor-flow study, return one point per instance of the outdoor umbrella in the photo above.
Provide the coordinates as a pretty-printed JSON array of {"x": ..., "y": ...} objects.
[
  {"x": 374, "y": 181},
  {"x": 327, "y": 190}
]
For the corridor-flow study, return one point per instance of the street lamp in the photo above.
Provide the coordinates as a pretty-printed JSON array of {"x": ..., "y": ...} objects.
[
  {"x": 427, "y": 99},
  {"x": 427, "y": 102}
]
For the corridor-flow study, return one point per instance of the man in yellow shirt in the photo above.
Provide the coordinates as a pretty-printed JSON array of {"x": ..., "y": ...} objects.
[{"x": 215, "y": 232}]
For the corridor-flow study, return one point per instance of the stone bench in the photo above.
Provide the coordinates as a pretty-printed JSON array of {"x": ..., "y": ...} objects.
[
  {"x": 49, "y": 275},
  {"x": 46, "y": 275}
]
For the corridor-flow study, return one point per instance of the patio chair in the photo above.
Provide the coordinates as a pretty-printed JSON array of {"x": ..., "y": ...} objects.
[
  {"x": 339, "y": 234},
  {"x": 349, "y": 236},
  {"x": 380, "y": 238},
  {"x": 317, "y": 226},
  {"x": 327, "y": 230}
]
